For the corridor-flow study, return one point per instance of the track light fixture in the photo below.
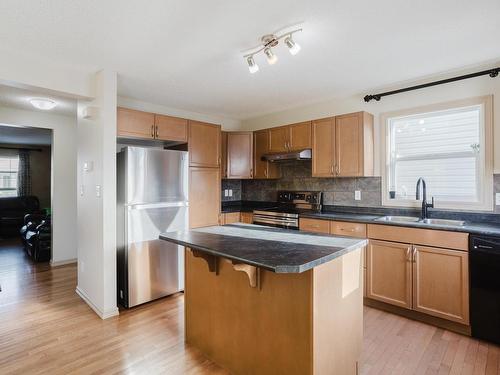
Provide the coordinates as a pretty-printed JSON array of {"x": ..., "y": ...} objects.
[{"x": 268, "y": 42}]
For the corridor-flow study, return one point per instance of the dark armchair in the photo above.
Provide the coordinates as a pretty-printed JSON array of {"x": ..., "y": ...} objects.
[{"x": 12, "y": 212}]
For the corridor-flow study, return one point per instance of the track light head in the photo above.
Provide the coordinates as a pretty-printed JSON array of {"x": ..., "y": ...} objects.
[
  {"x": 252, "y": 66},
  {"x": 271, "y": 57},
  {"x": 293, "y": 47}
]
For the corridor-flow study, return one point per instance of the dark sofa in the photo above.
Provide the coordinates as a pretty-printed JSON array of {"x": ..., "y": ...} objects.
[
  {"x": 36, "y": 234},
  {"x": 12, "y": 212}
]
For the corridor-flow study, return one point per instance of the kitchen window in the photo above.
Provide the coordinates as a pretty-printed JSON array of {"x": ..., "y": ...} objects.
[
  {"x": 9, "y": 166},
  {"x": 449, "y": 145}
]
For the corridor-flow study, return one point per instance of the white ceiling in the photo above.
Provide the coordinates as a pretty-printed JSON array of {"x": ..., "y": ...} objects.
[
  {"x": 25, "y": 136},
  {"x": 187, "y": 54},
  {"x": 20, "y": 98}
]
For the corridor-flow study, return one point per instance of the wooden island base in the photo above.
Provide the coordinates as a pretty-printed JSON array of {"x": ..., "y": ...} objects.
[{"x": 289, "y": 323}]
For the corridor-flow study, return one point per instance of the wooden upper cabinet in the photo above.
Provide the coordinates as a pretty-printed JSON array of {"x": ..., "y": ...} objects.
[
  {"x": 290, "y": 137},
  {"x": 389, "y": 273},
  {"x": 239, "y": 155},
  {"x": 299, "y": 136},
  {"x": 323, "y": 141},
  {"x": 278, "y": 139},
  {"x": 440, "y": 283},
  {"x": 171, "y": 128},
  {"x": 343, "y": 146},
  {"x": 204, "y": 197},
  {"x": 354, "y": 145},
  {"x": 262, "y": 168},
  {"x": 204, "y": 142},
  {"x": 132, "y": 123},
  {"x": 223, "y": 150}
]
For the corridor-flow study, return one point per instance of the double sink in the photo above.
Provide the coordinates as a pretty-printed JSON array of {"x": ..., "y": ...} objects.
[{"x": 412, "y": 219}]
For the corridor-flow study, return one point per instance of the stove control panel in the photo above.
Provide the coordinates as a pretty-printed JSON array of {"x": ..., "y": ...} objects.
[{"x": 311, "y": 200}]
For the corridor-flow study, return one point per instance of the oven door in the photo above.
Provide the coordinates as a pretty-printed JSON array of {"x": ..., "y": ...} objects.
[{"x": 274, "y": 221}]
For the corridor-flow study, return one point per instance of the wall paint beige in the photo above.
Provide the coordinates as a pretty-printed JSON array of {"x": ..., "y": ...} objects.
[{"x": 438, "y": 94}]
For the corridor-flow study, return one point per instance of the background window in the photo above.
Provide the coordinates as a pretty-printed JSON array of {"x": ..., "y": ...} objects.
[
  {"x": 9, "y": 166},
  {"x": 446, "y": 147}
]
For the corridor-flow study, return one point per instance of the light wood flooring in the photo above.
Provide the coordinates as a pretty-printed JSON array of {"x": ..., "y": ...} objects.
[{"x": 46, "y": 329}]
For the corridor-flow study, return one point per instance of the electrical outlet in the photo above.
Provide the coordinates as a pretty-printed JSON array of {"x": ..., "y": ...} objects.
[
  {"x": 226, "y": 193},
  {"x": 357, "y": 195},
  {"x": 230, "y": 192},
  {"x": 497, "y": 199},
  {"x": 98, "y": 191}
]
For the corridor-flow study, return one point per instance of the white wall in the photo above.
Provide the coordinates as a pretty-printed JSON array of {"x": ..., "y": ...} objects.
[
  {"x": 97, "y": 214},
  {"x": 449, "y": 92},
  {"x": 226, "y": 123},
  {"x": 63, "y": 175}
]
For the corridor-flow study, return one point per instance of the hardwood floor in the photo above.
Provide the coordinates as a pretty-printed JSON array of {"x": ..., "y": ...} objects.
[{"x": 46, "y": 329}]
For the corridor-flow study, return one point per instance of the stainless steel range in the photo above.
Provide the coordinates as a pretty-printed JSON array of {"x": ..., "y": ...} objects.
[{"x": 290, "y": 205}]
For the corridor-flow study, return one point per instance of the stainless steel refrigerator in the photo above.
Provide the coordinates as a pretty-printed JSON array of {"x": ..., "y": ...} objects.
[{"x": 152, "y": 197}]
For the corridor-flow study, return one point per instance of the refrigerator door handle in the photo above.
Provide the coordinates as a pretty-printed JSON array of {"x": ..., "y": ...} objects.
[{"x": 147, "y": 206}]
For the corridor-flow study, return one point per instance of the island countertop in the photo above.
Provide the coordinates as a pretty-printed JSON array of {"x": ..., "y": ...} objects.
[{"x": 277, "y": 250}]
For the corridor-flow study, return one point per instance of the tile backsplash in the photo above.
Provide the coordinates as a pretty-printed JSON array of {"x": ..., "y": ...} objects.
[{"x": 296, "y": 175}]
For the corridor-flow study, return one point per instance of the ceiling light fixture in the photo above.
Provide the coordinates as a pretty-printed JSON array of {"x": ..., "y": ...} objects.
[
  {"x": 293, "y": 47},
  {"x": 43, "y": 103},
  {"x": 268, "y": 42},
  {"x": 271, "y": 57},
  {"x": 252, "y": 66}
]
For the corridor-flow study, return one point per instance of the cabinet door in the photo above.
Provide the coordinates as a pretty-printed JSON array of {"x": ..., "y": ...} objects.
[
  {"x": 278, "y": 139},
  {"x": 239, "y": 155},
  {"x": 231, "y": 217},
  {"x": 171, "y": 128},
  {"x": 204, "y": 144},
  {"x": 314, "y": 225},
  {"x": 440, "y": 283},
  {"x": 132, "y": 123},
  {"x": 246, "y": 217},
  {"x": 323, "y": 141},
  {"x": 300, "y": 136},
  {"x": 349, "y": 145},
  {"x": 223, "y": 163},
  {"x": 204, "y": 196},
  {"x": 263, "y": 169},
  {"x": 389, "y": 273}
]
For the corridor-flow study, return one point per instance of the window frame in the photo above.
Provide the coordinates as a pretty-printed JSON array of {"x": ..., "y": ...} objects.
[
  {"x": 485, "y": 171},
  {"x": 10, "y": 172}
]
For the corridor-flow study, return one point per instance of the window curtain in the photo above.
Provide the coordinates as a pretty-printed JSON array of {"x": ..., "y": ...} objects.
[{"x": 24, "y": 174}]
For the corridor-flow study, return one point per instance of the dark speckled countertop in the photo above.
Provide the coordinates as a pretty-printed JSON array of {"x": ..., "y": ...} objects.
[
  {"x": 277, "y": 250},
  {"x": 475, "y": 223}
]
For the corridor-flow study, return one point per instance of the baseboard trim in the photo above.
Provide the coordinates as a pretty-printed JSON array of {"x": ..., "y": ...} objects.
[
  {"x": 101, "y": 314},
  {"x": 421, "y": 317},
  {"x": 60, "y": 263}
]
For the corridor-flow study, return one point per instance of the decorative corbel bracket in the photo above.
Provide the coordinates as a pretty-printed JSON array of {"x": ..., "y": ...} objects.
[
  {"x": 210, "y": 259},
  {"x": 252, "y": 272}
]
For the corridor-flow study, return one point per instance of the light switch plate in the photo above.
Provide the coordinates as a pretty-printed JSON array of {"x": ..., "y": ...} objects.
[
  {"x": 98, "y": 191},
  {"x": 230, "y": 192},
  {"x": 357, "y": 195},
  {"x": 226, "y": 193},
  {"x": 497, "y": 199}
]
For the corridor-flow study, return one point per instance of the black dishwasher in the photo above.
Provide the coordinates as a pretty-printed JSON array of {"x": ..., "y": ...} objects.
[{"x": 484, "y": 268}]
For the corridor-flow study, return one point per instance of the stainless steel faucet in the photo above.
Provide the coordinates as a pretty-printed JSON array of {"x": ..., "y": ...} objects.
[{"x": 425, "y": 205}]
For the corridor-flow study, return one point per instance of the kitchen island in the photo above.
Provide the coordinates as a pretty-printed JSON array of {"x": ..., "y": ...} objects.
[{"x": 260, "y": 300}]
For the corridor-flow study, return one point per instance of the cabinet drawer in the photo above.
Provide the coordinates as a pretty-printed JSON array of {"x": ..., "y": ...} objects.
[
  {"x": 417, "y": 236},
  {"x": 231, "y": 217},
  {"x": 314, "y": 225},
  {"x": 343, "y": 228},
  {"x": 246, "y": 217}
]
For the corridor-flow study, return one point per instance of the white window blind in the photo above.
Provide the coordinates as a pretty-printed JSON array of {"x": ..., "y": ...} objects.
[
  {"x": 9, "y": 166},
  {"x": 444, "y": 148}
]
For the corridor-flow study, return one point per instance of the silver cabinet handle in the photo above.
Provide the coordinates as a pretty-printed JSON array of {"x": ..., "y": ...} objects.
[
  {"x": 152, "y": 131},
  {"x": 265, "y": 172},
  {"x": 333, "y": 172},
  {"x": 408, "y": 250},
  {"x": 414, "y": 255}
]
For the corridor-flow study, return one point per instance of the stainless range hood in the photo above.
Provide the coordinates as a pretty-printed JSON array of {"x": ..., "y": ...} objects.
[{"x": 291, "y": 155}]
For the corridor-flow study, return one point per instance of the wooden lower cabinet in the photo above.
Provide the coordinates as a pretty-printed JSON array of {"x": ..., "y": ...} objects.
[
  {"x": 314, "y": 225},
  {"x": 246, "y": 217},
  {"x": 204, "y": 197},
  {"x": 230, "y": 217},
  {"x": 440, "y": 283},
  {"x": 389, "y": 273}
]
